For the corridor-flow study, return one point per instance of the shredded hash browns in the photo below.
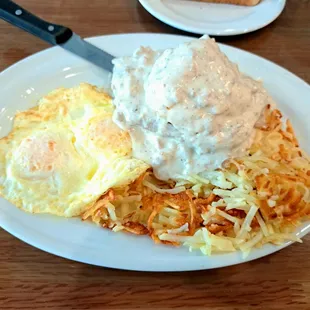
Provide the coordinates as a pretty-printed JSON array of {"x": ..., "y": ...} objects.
[{"x": 253, "y": 200}]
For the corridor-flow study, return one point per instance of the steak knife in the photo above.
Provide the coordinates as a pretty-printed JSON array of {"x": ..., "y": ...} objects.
[{"x": 55, "y": 34}]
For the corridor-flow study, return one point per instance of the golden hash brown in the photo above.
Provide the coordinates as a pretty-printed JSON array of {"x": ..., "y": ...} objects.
[{"x": 253, "y": 200}]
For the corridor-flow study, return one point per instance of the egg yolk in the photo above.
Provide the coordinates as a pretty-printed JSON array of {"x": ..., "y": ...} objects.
[
  {"x": 106, "y": 133},
  {"x": 37, "y": 157}
]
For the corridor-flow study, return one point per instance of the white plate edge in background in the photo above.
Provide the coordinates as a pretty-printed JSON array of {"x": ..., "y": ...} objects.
[{"x": 163, "y": 14}]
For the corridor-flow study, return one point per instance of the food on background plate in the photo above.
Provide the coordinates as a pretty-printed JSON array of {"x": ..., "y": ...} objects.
[
  {"x": 252, "y": 186},
  {"x": 238, "y": 2}
]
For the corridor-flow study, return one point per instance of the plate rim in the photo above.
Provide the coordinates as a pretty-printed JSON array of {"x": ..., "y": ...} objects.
[
  {"x": 196, "y": 30},
  {"x": 151, "y": 267}
]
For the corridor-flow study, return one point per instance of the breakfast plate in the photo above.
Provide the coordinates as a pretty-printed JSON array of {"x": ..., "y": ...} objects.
[
  {"x": 27, "y": 81},
  {"x": 214, "y": 19}
]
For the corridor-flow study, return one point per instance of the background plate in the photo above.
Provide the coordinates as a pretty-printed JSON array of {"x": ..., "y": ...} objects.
[
  {"x": 25, "y": 82},
  {"x": 214, "y": 19}
]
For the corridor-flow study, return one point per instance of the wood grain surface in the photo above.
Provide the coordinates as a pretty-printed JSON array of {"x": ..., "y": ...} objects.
[{"x": 32, "y": 279}]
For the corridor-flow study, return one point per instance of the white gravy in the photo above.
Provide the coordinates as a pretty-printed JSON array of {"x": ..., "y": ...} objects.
[{"x": 187, "y": 109}]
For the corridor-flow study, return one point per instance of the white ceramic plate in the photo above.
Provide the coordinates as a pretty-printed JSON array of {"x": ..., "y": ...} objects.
[
  {"x": 25, "y": 82},
  {"x": 212, "y": 18}
]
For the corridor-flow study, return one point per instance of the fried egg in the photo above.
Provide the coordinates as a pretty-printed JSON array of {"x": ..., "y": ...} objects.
[{"x": 62, "y": 155}]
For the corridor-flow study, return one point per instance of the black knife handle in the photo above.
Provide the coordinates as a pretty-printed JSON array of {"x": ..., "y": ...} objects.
[{"x": 16, "y": 15}]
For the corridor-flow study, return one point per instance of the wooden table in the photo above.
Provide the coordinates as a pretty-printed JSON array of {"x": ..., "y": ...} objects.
[{"x": 32, "y": 279}]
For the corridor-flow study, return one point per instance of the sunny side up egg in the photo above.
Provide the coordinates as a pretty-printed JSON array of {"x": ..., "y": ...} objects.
[{"x": 62, "y": 155}]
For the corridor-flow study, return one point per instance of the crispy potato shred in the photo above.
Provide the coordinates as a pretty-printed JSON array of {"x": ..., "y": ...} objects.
[{"x": 257, "y": 199}]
